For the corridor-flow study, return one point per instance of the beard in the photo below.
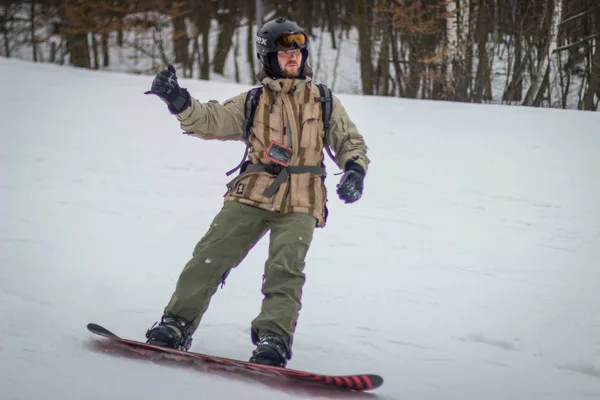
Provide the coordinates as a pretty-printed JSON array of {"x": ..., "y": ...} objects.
[{"x": 289, "y": 72}]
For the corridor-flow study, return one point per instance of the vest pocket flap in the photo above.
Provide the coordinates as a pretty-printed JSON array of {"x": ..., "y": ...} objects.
[
  {"x": 251, "y": 186},
  {"x": 265, "y": 112},
  {"x": 260, "y": 113},
  {"x": 311, "y": 111}
]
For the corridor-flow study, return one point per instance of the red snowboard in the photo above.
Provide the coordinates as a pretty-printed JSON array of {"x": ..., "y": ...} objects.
[{"x": 360, "y": 382}]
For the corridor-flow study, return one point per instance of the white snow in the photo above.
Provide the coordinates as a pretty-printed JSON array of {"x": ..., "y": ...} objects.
[{"x": 469, "y": 270}]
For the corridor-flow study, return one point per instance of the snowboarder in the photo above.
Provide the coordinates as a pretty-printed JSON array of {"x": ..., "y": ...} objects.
[{"x": 280, "y": 188}]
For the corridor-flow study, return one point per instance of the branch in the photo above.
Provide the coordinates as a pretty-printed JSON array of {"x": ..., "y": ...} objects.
[
  {"x": 13, "y": 19},
  {"x": 576, "y": 43},
  {"x": 581, "y": 14}
]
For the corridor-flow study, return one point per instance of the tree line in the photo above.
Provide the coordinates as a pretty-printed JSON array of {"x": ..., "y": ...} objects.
[{"x": 535, "y": 52}]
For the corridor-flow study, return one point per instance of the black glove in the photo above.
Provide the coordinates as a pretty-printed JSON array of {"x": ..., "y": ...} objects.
[
  {"x": 350, "y": 187},
  {"x": 166, "y": 87}
]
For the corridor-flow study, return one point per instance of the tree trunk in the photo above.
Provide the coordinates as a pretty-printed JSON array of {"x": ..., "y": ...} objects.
[
  {"x": 364, "y": 44},
  {"x": 330, "y": 22},
  {"x": 4, "y": 27},
  {"x": 79, "y": 50},
  {"x": 259, "y": 14},
  {"x": 74, "y": 35},
  {"x": 594, "y": 79},
  {"x": 317, "y": 69},
  {"x": 236, "y": 53},
  {"x": 451, "y": 46},
  {"x": 250, "y": 52},
  {"x": 495, "y": 40},
  {"x": 534, "y": 96},
  {"x": 383, "y": 64},
  {"x": 306, "y": 20},
  {"x": 120, "y": 36},
  {"x": 63, "y": 48},
  {"x": 180, "y": 40},
  {"x": 514, "y": 91},
  {"x": 564, "y": 76},
  {"x": 205, "y": 59},
  {"x": 430, "y": 46},
  {"x": 415, "y": 68},
  {"x": 462, "y": 74},
  {"x": 95, "y": 52},
  {"x": 195, "y": 52},
  {"x": 396, "y": 61},
  {"x": 202, "y": 12},
  {"x": 337, "y": 60},
  {"x": 483, "y": 72},
  {"x": 53, "y": 52},
  {"x": 32, "y": 27},
  {"x": 105, "y": 50},
  {"x": 228, "y": 22}
]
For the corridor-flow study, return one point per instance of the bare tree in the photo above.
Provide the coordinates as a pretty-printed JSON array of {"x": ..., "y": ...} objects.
[
  {"x": 337, "y": 59},
  {"x": 105, "y": 49},
  {"x": 33, "y": 36},
  {"x": 463, "y": 75},
  {"x": 201, "y": 18},
  {"x": 180, "y": 39},
  {"x": 534, "y": 94},
  {"x": 382, "y": 74},
  {"x": 10, "y": 23},
  {"x": 228, "y": 17},
  {"x": 594, "y": 80},
  {"x": 451, "y": 47},
  {"x": 362, "y": 21},
  {"x": 483, "y": 82}
]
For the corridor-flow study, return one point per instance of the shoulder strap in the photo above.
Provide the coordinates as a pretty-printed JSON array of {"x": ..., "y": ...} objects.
[
  {"x": 326, "y": 100},
  {"x": 252, "y": 98}
]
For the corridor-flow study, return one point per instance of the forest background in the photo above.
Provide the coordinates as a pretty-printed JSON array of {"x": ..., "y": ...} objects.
[{"x": 543, "y": 53}]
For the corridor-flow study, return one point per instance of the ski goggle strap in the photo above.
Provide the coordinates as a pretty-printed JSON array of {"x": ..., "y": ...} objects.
[{"x": 287, "y": 40}]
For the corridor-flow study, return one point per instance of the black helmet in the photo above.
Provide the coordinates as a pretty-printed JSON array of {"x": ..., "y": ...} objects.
[{"x": 278, "y": 35}]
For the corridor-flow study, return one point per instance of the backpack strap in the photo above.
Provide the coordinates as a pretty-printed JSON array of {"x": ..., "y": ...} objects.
[
  {"x": 326, "y": 100},
  {"x": 252, "y": 98}
]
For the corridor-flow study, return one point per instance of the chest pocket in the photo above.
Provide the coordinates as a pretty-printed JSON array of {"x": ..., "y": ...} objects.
[{"x": 267, "y": 124}]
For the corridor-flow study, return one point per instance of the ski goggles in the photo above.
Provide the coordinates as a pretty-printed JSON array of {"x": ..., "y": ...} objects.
[{"x": 287, "y": 40}]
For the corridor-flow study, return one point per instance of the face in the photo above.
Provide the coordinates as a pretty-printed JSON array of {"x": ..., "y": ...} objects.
[{"x": 289, "y": 62}]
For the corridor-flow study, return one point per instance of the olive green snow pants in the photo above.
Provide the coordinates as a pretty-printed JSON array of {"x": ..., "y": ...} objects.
[{"x": 233, "y": 232}]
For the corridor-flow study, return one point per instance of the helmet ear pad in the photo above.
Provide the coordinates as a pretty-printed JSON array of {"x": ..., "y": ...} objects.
[
  {"x": 304, "y": 59},
  {"x": 272, "y": 65}
]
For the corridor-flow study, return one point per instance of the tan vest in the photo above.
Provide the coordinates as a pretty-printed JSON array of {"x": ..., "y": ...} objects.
[{"x": 292, "y": 117}]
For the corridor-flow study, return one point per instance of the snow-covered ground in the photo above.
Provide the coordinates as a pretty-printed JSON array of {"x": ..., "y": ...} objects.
[{"x": 469, "y": 270}]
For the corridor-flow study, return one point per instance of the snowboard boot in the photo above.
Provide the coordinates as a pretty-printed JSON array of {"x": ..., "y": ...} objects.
[
  {"x": 173, "y": 332},
  {"x": 271, "y": 349}
]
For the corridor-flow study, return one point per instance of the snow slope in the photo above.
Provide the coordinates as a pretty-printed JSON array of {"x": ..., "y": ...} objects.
[{"x": 469, "y": 270}]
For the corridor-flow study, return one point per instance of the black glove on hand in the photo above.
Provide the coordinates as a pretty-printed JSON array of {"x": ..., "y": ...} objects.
[
  {"x": 350, "y": 187},
  {"x": 166, "y": 87}
]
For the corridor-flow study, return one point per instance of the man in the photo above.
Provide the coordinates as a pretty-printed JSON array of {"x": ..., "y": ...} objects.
[{"x": 280, "y": 189}]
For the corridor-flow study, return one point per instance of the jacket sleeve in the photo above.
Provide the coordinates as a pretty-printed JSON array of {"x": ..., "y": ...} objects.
[
  {"x": 213, "y": 120},
  {"x": 344, "y": 139}
]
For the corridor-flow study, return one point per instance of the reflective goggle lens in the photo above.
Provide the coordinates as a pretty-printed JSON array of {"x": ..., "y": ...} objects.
[{"x": 287, "y": 40}]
